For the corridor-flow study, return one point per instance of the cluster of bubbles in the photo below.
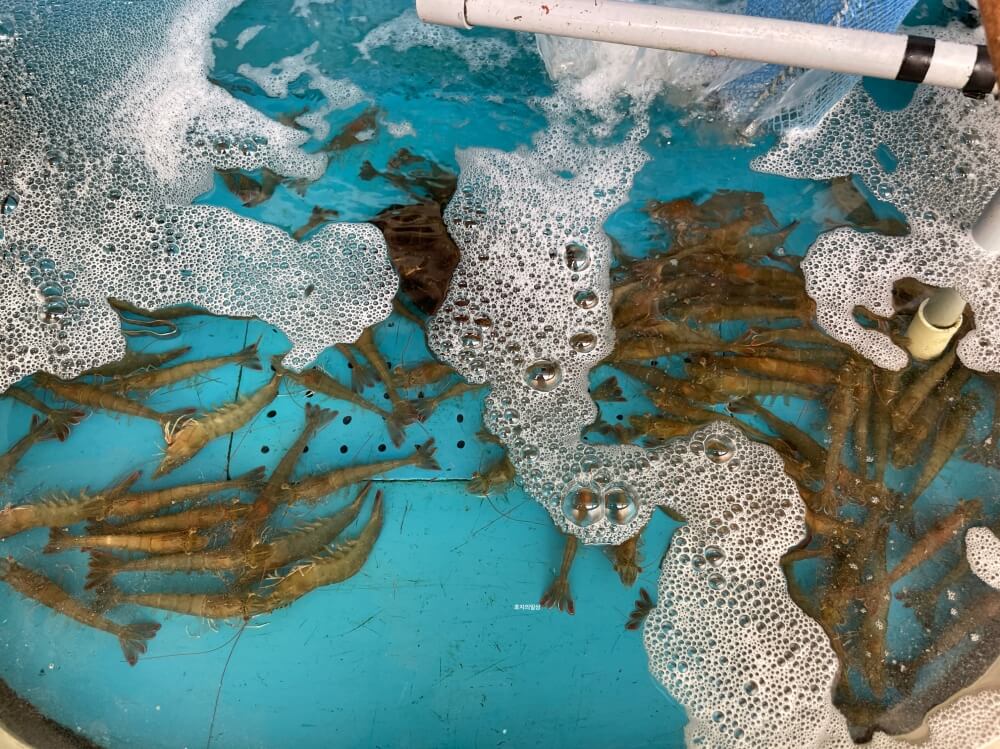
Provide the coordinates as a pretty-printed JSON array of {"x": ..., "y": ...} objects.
[
  {"x": 982, "y": 548},
  {"x": 932, "y": 159},
  {"x": 275, "y": 78},
  {"x": 104, "y": 147},
  {"x": 528, "y": 311},
  {"x": 406, "y": 31},
  {"x": 750, "y": 667},
  {"x": 586, "y": 505},
  {"x": 972, "y": 720}
]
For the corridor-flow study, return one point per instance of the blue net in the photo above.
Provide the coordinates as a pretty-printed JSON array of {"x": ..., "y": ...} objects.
[{"x": 777, "y": 97}]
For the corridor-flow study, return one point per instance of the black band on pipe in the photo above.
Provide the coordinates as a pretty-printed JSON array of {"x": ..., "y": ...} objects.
[
  {"x": 916, "y": 59},
  {"x": 983, "y": 79}
]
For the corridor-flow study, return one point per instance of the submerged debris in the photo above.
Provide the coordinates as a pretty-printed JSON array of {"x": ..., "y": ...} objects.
[{"x": 421, "y": 250}]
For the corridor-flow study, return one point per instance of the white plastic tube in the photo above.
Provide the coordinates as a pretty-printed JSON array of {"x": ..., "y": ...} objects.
[
  {"x": 944, "y": 308},
  {"x": 804, "y": 45},
  {"x": 986, "y": 232},
  {"x": 940, "y": 316},
  {"x": 926, "y": 340}
]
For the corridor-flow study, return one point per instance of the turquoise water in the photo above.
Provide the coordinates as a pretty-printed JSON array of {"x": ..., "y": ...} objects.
[{"x": 437, "y": 641}]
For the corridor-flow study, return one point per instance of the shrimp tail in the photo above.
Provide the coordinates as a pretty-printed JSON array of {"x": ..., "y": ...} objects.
[
  {"x": 317, "y": 417},
  {"x": 426, "y": 408},
  {"x": 643, "y": 606},
  {"x": 425, "y": 456},
  {"x": 134, "y": 638},
  {"x": 57, "y": 541},
  {"x": 250, "y": 357},
  {"x": 45, "y": 429},
  {"x": 252, "y": 479},
  {"x": 63, "y": 419},
  {"x": 404, "y": 414},
  {"x": 609, "y": 391},
  {"x": 362, "y": 377},
  {"x": 103, "y": 567}
]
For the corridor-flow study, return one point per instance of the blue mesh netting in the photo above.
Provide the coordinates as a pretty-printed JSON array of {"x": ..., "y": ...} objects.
[{"x": 777, "y": 97}]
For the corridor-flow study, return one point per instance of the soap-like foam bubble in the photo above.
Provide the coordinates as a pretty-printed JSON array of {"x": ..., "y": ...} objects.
[
  {"x": 400, "y": 129},
  {"x": 931, "y": 159},
  {"x": 529, "y": 227},
  {"x": 248, "y": 35},
  {"x": 725, "y": 639},
  {"x": 982, "y": 549},
  {"x": 105, "y": 148},
  {"x": 407, "y": 31}
]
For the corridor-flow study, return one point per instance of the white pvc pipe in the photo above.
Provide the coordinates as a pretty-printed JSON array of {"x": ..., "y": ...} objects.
[
  {"x": 940, "y": 315},
  {"x": 944, "y": 308},
  {"x": 768, "y": 40},
  {"x": 986, "y": 232}
]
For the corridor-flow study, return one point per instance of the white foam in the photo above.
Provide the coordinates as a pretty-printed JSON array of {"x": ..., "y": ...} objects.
[
  {"x": 400, "y": 129},
  {"x": 511, "y": 304},
  {"x": 522, "y": 221},
  {"x": 103, "y": 159},
  {"x": 944, "y": 175},
  {"x": 407, "y": 31},
  {"x": 248, "y": 35},
  {"x": 982, "y": 549},
  {"x": 601, "y": 72}
]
